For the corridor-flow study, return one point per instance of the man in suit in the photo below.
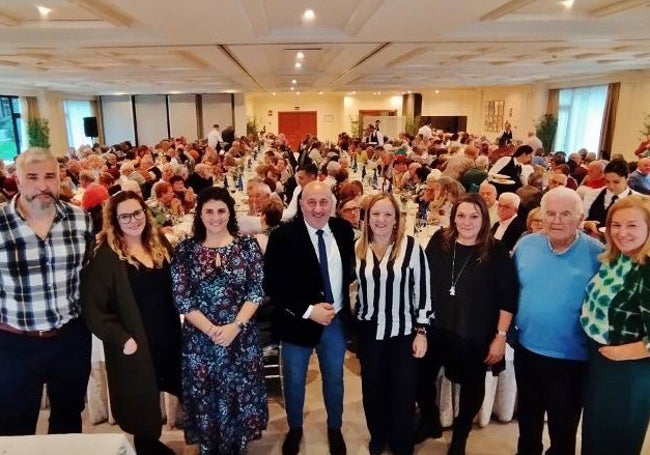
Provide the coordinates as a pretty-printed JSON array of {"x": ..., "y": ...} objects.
[
  {"x": 308, "y": 269},
  {"x": 510, "y": 226}
]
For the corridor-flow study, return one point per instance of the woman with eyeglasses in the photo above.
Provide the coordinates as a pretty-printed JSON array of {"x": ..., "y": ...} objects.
[{"x": 126, "y": 295}]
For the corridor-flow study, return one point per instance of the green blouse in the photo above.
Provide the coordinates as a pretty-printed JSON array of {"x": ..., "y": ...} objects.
[{"x": 617, "y": 307}]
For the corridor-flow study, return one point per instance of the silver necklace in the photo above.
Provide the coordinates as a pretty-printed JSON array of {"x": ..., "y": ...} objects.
[{"x": 452, "y": 289}]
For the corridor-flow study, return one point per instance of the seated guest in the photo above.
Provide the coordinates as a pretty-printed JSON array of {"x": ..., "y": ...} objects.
[
  {"x": 474, "y": 176},
  {"x": 595, "y": 177},
  {"x": 185, "y": 195},
  {"x": 534, "y": 221},
  {"x": 270, "y": 218},
  {"x": 350, "y": 210},
  {"x": 126, "y": 295},
  {"x": 92, "y": 201},
  {"x": 509, "y": 227},
  {"x": 488, "y": 192},
  {"x": 201, "y": 178},
  {"x": 639, "y": 180},
  {"x": 258, "y": 194},
  {"x": 164, "y": 205}
]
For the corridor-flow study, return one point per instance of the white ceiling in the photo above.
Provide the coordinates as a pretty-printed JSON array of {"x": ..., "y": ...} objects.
[{"x": 197, "y": 46}]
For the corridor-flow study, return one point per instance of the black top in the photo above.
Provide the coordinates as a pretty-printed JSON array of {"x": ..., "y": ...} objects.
[
  {"x": 152, "y": 290},
  {"x": 481, "y": 290}
]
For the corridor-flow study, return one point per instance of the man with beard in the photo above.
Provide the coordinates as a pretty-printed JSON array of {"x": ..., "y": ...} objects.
[{"x": 43, "y": 244}]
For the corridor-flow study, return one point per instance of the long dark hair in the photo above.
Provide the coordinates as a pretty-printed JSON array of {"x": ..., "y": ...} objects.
[
  {"x": 214, "y": 194},
  {"x": 484, "y": 239}
]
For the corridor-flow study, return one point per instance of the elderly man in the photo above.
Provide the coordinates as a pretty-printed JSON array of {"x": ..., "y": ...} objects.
[
  {"x": 639, "y": 180},
  {"x": 43, "y": 244},
  {"x": 489, "y": 194},
  {"x": 595, "y": 177},
  {"x": 313, "y": 306},
  {"x": 509, "y": 227},
  {"x": 554, "y": 268}
]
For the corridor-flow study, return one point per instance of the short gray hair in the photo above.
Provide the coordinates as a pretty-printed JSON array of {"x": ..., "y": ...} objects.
[
  {"x": 34, "y": 155},
  {"x": 565, "y": 194}
]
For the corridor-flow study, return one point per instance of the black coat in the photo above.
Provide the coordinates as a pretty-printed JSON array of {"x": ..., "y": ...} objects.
[
  {"x": 293, "y": 281},
  {"x": 513, "y": 232}
]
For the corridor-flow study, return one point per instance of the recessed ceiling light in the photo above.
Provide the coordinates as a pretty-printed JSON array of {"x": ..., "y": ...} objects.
[
  {"x": 567, "y": 3},
  {"x": 320, "y": 93},
  {"x": 43, "y": 10},
  {"x": 273, "y": 93},
  {"x": 298, "y": 65},
  {"x": 437, "y": 91},
  {"x": 309, "y": 15},
  {"x": 297, "y": 93},
  {"x": 293, "y": 81},
  {"x": 300, "y": 55},
  {"x": 292, "y": 88}
]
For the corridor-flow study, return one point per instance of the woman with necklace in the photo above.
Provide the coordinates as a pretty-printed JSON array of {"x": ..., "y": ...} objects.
[
  {"x": 392, "y": 314},
  {"x": 217, "y": 277},
  {"x": 475, "y": 291},
  {"x": 126, "y": 294}
]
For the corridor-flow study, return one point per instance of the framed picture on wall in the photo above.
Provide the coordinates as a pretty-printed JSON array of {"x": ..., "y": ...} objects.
[{"x": 494, "y": 115}]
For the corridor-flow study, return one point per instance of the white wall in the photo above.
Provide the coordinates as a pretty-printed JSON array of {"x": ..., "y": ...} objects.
[
  {"x": 330, "y": 119},
  {"x": 217, "y": 108},
  {"x": 182, "y": 116},
  {"x": 151, "y": 118},
  {"x": 117, "y": 116}
]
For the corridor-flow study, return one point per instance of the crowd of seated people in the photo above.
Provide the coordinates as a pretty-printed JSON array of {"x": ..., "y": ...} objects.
[{"x": 433, "y": 169}]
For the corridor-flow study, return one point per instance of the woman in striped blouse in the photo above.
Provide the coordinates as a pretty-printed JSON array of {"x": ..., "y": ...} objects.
[{"x": 392, "y": 313}]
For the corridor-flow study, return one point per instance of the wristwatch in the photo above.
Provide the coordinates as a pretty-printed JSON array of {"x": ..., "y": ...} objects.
[
  {"x": 501, "y": 333},
  {"x": 421, "y": 330}
]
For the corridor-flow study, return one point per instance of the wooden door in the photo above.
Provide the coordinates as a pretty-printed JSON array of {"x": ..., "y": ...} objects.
[{"x": 296, "y": 126}]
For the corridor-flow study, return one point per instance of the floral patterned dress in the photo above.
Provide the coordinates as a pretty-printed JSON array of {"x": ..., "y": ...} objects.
[{"x": 224, "y": 394}]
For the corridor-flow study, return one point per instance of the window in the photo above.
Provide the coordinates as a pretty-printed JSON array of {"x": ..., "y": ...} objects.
[
  {"x": 10, "y": 127},
  {"x": 580, "y": 118},
  {"x": 75, "y": 111}
]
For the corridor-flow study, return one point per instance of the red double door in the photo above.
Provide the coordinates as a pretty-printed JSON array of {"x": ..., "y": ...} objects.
[{"x": 296, "y": 126}]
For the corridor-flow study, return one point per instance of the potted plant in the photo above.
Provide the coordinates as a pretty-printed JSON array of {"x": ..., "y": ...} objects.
[
  {"x": 38, "y": 133},
  {"x": 545, "y": 130}
]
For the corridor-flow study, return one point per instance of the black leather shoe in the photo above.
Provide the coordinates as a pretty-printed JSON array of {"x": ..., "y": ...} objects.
[
  {"x": 376, "y": 448},
  {"x": 337, "y": 444},
  {"x": 291, "y": 444},
  {"x": 457, "y": 446},
  {"x": 425, "y": 431}
]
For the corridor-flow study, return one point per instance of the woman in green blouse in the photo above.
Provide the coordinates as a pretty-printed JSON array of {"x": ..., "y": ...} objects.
[{"x": 616, "y": 317}]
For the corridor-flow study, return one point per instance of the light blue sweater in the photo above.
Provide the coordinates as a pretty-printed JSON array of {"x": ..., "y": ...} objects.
[{"x": 552, "y": 293}]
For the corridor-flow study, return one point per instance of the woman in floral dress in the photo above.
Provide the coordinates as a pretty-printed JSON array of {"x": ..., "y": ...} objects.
[{"x": 217, "y": 276}]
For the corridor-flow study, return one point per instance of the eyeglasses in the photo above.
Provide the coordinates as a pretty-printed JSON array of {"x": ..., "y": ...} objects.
[
  {"x": 125, "y": 218},
  {"x": 350, "y": 209}
]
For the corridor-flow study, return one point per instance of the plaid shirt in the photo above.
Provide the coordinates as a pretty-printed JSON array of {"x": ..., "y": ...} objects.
[{"x": 39, "y": 278}]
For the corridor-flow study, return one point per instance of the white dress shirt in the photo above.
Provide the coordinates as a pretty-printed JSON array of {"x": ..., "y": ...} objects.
[{"x": 334, "y": 265}]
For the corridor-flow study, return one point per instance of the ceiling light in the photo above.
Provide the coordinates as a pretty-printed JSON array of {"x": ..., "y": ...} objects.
[
  {"x": 300, "y": 55},
  {"x": 320, "y": 93},
  {"x": 293, "y": 81},
  {"x": 292, "y": 88},
  {"x": 437, "y": 91},
  {"x": 43, "y": 10},
  {"x": 567, "y": 3},
  {"x": 309, "y": 15},
  {"x": 273, "y": 93},
  {"x": 297, "y": 93},
  {"x": 298, "y": 65}
]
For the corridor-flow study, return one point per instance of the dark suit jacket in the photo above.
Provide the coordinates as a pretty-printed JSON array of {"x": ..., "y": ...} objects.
[
  {"x": 513, "y": 232},
  {"x": 293, "y": 281}
]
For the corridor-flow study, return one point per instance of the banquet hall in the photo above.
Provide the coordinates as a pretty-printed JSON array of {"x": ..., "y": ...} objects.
[{"x": 110, "y": 71}]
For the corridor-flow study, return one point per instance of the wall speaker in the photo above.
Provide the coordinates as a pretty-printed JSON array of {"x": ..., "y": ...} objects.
[{"x": 90, "y": 127}]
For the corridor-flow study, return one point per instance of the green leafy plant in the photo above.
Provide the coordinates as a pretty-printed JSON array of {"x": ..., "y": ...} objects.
[
  {"x": 38, "y": 133},
  {"x": 545, "y": 129},
  {"x": 356, "y": 129}
]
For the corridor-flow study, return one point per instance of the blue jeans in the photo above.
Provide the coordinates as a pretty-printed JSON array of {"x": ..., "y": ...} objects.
[{"x": 295, "y": 359}]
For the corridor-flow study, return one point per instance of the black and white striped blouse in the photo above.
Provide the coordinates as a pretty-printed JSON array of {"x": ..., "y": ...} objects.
[{"x": 395, "y": 295}]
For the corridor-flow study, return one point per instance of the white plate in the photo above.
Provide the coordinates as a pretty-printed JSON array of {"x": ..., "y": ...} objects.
[
  {"x": 500, "y": 176},
  {"x": 504, "y": 181}
]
